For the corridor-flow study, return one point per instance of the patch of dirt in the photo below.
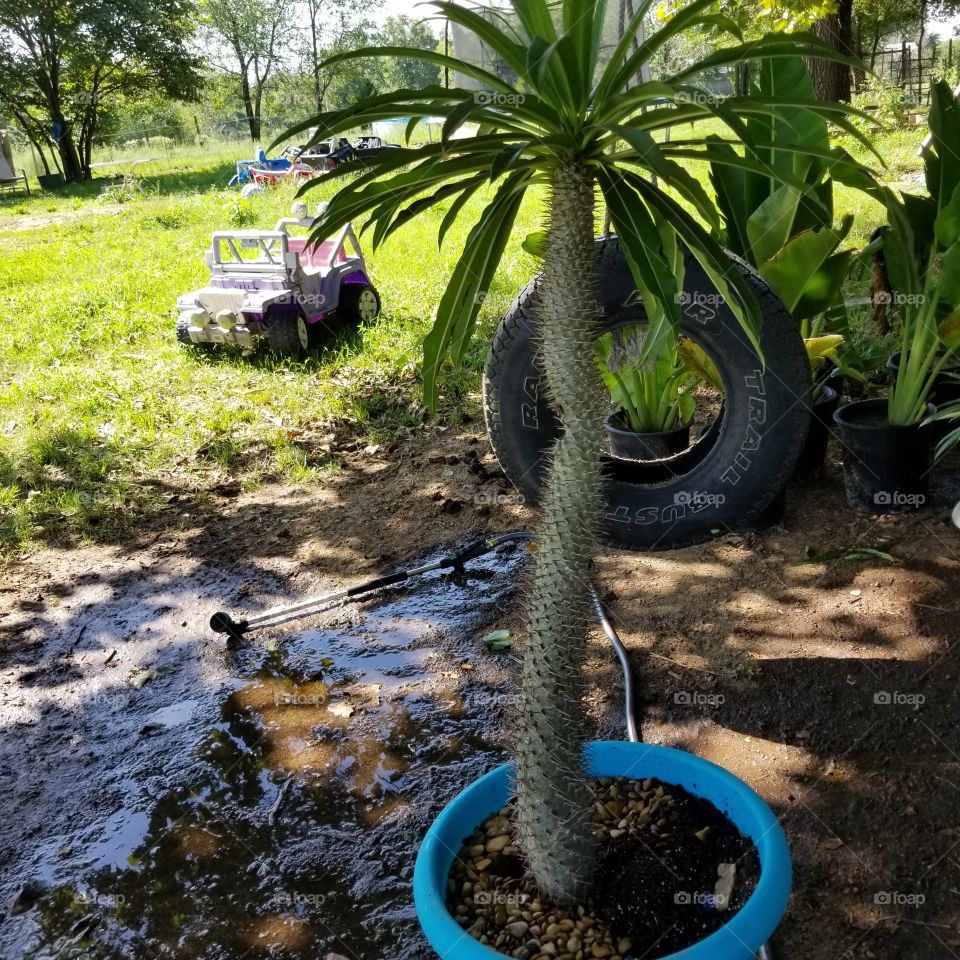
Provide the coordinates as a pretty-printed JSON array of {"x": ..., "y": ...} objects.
[
  {"x": 30, "y": 223},
  {"x": 163, "y": 797}
]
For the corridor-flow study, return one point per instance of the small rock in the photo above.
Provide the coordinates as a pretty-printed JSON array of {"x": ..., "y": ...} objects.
[
  {"x": 29, "y": 894},
  {"x": 518, "y": 929},
  {"x": 724, "y": 886},
  {"x": 496, "y": 844}
]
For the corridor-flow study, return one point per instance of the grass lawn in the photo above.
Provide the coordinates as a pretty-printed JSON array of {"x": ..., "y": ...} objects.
[{"x": 103, "y": 415}]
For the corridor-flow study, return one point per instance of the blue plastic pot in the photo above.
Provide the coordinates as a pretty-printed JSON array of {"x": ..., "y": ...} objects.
[{"x": 740, "y": 939}]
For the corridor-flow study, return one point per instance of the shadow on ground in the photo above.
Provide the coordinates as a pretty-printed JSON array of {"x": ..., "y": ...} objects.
[{"x": 165, "y": 797}]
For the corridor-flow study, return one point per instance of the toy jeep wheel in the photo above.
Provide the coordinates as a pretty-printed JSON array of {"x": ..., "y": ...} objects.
[
  {"x": 359, "y": 303},
  {"x": 183, "y": 336},
  {"x": 289, "y": 335}
]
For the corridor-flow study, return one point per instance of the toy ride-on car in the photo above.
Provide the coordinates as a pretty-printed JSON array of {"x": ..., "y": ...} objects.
[{"x": 268, "y": 283}]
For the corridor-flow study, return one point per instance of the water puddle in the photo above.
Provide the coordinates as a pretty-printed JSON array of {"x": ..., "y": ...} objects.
[{"x": 292, "y": 826}]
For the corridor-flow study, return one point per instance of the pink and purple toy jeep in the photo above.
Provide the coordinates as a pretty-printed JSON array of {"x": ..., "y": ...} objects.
[{"x": 269, "y": 283}]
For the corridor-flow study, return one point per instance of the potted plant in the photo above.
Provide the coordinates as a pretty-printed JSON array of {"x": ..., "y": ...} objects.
[
  {"x": 567, "y": 124},
  {"x": 889, "y": 443},
  {"x": 822, "y": 351},
  {"x": 790, "y": 237},
  {"x": 654, "y": 402}
]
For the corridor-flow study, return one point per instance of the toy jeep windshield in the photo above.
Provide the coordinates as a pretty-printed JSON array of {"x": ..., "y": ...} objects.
[{"x": 270, "y": 283}]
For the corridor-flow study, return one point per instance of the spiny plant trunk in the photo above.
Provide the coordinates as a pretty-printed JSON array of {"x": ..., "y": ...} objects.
[{"x": 553, "y": 800}]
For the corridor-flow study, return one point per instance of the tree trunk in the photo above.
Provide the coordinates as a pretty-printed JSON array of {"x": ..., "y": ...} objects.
[
  {"x": 255, "y": 125},
  {"x": 832, "y": 81},
  {"x": 553, "y": 800},
  {"x": 873, "y": 50},
  {"x": 38, "y": 149},
  {"x": 69, "y": 158},
  {"x": 247, "y": 99},
  {"x": 35, "y": 134},
  {"x": 858, "y": 75},
  {"x": 923, "y": 28},
  {"x": 317, "y": 92}
]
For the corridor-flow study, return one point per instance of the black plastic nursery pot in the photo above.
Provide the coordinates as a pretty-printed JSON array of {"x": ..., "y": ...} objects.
[
  {"x": 626, "y": 444},
  {"x": 886, "y": 469},
  {"x": 51, "y": 181},
  {"x": 814, "y": 451}
]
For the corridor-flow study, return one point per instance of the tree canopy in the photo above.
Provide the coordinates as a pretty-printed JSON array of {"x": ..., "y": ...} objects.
[{"x": 63, "y": 63}]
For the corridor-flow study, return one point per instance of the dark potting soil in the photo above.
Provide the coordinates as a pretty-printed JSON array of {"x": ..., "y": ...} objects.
[
  {"x": 658, "y": 886},
  {"x": 659, "y": 890}
]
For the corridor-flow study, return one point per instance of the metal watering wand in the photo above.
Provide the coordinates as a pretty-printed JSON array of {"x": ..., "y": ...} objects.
[{"x": 237, "y": 629}]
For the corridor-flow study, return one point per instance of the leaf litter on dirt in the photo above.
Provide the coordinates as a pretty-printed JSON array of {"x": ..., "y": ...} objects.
[
  {"x": 850, "y": 553},
  {"x": 498, "y": 640}
]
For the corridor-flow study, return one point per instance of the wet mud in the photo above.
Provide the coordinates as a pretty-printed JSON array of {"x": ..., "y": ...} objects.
[{"x": 263, "y": 802}]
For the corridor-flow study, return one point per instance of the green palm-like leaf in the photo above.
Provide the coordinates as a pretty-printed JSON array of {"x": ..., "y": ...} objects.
[{"x": 567, "y": 106}]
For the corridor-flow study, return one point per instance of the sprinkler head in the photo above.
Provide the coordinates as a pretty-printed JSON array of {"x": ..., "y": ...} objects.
[
  {"x": 224, "y": 623},
  {"x": 956, "y": 515}
]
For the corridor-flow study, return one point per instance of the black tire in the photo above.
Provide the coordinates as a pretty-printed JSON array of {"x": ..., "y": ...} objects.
[
  {"x": 290, "y": 335},
  {"x": 735, "y": 470},
  {"x": 183, "y": 337},
  {"x": 359, "y": 303}
]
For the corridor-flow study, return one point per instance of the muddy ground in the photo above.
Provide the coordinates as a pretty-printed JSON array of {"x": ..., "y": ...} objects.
[{"x": 162, "y": 796}]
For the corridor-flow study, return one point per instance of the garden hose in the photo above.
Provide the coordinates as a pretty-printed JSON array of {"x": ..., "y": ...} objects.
[{"x": 629, "y": 697}]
